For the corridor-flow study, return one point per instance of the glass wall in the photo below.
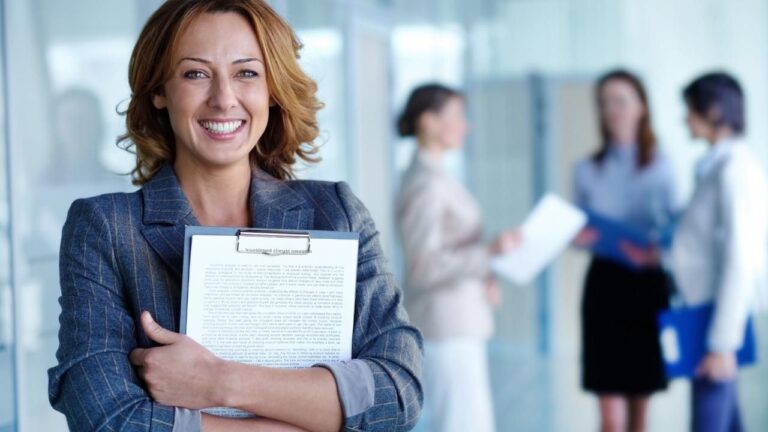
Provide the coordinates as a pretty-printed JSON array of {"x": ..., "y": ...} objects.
[
  {"x": 67, "y": 70},
  {"x": 7, "y": 351},
  {"x": 321, "y": 30}
]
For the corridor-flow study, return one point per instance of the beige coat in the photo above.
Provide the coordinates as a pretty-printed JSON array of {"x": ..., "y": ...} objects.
[{"x": 446, "y": 260}]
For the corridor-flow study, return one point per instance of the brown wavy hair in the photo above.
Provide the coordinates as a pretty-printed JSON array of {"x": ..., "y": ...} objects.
[
  {"x": 292, "y": 126},
  {"x": 646, "y": 139}
]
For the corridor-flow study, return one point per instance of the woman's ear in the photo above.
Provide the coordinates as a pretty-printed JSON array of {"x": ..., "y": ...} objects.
[
  {"x": 425, "y": 123},
  {"x": 715, "y": 117},
  {"x": 158, "y": 100},
  {"x": 272, "y": 102}
]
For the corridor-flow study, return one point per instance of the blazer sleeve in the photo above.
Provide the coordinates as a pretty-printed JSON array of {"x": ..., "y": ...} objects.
[
  {"x": 94, "y": 384},
  {"x": 383, "y": 337},
  {"x": 430, "y": 263},
  {"x": 735, "y": 283}
]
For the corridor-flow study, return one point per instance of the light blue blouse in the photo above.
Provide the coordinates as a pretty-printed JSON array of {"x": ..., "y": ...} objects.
[{"x": 617, "y": 188}]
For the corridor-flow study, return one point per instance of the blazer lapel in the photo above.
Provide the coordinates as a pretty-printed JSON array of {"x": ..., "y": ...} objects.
[
  {"x": 275, "y": 205},
  {"x": 166, "y": 213}
]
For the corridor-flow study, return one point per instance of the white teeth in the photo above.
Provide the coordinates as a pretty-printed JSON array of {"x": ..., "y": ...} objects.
[{"x": 221, "y": 127}]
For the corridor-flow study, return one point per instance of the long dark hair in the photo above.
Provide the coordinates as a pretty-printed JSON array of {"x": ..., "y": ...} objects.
[
  {"x": 425, "y": 98},
  {"x": 646, "y": 139}
]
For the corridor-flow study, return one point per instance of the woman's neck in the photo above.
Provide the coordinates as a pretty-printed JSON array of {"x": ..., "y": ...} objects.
[
  {"x": 719, "y": 135},
  {"x": 432, "y": 149},
  {"x": 218, "y": 195},
  {"x": 624, "y": 141}
]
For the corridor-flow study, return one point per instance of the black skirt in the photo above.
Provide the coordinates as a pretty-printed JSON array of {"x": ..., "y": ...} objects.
[{"x": 621, "y": 350}]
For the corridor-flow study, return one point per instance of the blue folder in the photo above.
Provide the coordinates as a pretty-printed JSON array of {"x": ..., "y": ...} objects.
[
  {"x": 611, "y": 234},
  {"x": 683, "y": 333}
]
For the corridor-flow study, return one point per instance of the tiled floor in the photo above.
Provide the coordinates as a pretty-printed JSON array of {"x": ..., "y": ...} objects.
[{"x": 537, "y": 394}]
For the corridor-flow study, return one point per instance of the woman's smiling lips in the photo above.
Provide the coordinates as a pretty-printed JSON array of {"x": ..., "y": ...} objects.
[{"x": 222, "y": 129}]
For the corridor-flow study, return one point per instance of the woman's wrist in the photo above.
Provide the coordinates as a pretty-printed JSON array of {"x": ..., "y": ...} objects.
[
  {"x": 274, "y": 393},
  {"x": 234, "y": 383},
  {"x": 224, "y": 384}
]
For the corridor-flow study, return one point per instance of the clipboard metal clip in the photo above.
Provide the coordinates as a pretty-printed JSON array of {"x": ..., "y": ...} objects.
[{"x": 273, "y": 243}]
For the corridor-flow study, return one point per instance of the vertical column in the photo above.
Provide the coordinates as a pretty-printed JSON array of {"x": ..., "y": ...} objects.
[
  {"x": 8, "y": 353},
  {"x": 542, "y": 182}
]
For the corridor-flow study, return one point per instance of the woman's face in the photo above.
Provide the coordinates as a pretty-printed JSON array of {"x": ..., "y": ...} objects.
[
  {"x": 217, "y": 99},
  {"x": 621, "y": 109},
  {"x": 698, "y": 125},
  {"x": 447, "y": 127}
]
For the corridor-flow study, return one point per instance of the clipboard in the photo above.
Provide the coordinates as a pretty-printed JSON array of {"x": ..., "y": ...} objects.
[
  {"x": 683, "y": 338},
  {"x": 274, "y": 298},
  {"x": 243, "y": 247}
]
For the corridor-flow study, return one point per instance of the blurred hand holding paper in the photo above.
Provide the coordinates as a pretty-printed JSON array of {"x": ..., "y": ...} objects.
[
  {"x": 610, "y": 236},
  {"x": 546, "y": 232}
]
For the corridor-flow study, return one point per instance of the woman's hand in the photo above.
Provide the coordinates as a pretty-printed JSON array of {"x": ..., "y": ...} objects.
[
  {"x": 718, "y": 366},
  {"x": 641, "y": 257},
  {"x": 506, "y": 242},
  {"x": 181, "y": 373},
  {"x": 586, "y": 238},
  {"x": 493, "y": 292}
]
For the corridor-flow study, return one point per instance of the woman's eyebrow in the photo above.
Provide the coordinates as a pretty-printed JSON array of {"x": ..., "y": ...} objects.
[
  {"x": 246, "y": 60},
  {"x": 238, "y": 61},
  {"x": 195, "y": 59}
]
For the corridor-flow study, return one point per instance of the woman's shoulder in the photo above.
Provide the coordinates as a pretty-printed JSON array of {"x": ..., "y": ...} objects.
[
  {"x": 333, "y": 200},
  {"x": 110, "y": 200},
  {"x": 661, "y": 158},
  {"x": 662, "y": 165},
  {"x": 584, "y": 167},
  {"x": 743, "y": 166},
  {"x": 319, "y": 193},
  {"x": 96, "y": 220},
  {"x": 115, "y": 206},
  {"x": 307, "y": 185},
  {"x": 422, "y": 180}
]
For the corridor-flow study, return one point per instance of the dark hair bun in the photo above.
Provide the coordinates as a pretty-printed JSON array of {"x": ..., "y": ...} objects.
[{"x": 428, "y": 97}]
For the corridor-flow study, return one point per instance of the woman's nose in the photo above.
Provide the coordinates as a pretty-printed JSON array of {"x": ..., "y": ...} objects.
[{"x": 222, "y": 96}]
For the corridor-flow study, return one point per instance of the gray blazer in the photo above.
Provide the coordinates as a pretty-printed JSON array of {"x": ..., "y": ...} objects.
[{"x": 121, "y": 254}]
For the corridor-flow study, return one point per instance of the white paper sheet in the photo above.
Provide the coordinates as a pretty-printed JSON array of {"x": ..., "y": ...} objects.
[
  {"x": 546, "y": 232},
  {"x": 286, "y": 311}
]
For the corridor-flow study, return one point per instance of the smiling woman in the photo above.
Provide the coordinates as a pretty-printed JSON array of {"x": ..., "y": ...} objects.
[
  {"x": 220, "y": 112},
  {"x": 260, "y": 70}
]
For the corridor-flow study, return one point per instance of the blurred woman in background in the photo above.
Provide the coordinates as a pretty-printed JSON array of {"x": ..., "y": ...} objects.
[
  {"x": 629, "y": 181},
  {"x": 450, "y": 295},
  {"x": 720, "y": 250}
]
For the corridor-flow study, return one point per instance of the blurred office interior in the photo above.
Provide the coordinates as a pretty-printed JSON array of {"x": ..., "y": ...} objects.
[{"x": 527, "y": 67}]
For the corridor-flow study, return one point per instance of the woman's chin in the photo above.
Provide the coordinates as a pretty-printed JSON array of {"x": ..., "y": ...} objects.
[{"x": 224, "y": 160}]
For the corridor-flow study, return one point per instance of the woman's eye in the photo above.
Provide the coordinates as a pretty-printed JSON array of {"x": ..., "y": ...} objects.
[
  {"x": 194, "y": 74},
  {"x": 248, "y": 73}
]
